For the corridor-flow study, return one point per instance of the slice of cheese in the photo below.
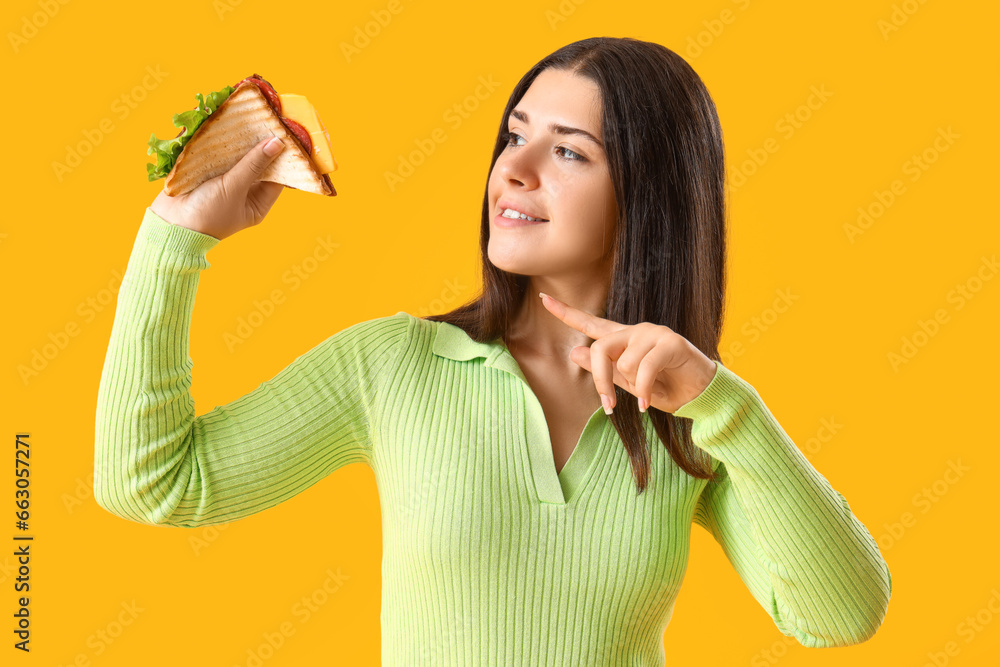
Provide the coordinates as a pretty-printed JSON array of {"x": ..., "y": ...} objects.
[{"x": 298, "y": 108}]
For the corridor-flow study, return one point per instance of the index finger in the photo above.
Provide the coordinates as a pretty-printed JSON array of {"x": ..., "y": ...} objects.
[{"x": 592, "y": 325}]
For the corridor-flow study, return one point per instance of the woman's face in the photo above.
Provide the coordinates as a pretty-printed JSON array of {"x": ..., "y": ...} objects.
[{"x": 558, "y": 175}]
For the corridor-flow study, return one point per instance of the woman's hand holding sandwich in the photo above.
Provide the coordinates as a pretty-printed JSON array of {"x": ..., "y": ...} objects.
[{"x": 230, "y": 202}]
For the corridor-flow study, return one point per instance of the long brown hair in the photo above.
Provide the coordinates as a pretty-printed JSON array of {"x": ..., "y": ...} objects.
[{"x": 665, "y": 154}]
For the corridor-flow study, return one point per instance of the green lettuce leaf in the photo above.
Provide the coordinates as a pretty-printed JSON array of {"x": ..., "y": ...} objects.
[{"x": 167, "y": 150}]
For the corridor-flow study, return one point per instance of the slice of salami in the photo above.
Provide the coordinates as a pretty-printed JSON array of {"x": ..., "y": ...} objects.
[{"x": 300, "y": 133}]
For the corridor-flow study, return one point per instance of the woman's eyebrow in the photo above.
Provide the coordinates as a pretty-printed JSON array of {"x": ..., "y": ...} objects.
[{"x": 557, "y": 128}]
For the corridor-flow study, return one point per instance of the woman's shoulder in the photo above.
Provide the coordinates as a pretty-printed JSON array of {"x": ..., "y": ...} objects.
[
  {"x": 406, "y": 329},
  {"x": 380, "y": 336},
  {"x": 417, "y": 326},
  {"x": 418, "y": 334}
]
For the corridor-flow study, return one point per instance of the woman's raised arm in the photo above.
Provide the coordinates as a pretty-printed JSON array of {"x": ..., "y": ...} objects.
[{"x": 157, "y": 463}]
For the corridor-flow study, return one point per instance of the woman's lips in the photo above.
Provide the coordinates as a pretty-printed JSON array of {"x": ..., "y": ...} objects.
[{"x": 501, "y": 221}]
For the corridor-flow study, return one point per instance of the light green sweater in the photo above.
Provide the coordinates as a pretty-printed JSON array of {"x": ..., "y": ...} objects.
[{"x": 490, "y": 556}]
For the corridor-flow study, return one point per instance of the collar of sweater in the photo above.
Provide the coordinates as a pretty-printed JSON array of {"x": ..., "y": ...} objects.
[{"x": 452, "y": 342}]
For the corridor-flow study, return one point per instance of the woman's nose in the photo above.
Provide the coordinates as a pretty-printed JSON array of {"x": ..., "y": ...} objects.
[{"x": 521, "y": 166}]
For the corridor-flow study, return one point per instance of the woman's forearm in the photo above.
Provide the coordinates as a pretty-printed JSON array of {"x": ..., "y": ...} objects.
[{"x": 805, "y": 556}]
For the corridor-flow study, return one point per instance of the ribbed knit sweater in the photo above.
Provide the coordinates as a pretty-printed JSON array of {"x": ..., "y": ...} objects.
[{"x": 490, "y": 557}]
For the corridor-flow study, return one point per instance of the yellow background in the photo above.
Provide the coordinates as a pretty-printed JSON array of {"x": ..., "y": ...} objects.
[{"x": 880, "y": 433}]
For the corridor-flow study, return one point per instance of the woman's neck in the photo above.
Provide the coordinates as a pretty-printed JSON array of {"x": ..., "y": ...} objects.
[{"x": 537, "y": 333}]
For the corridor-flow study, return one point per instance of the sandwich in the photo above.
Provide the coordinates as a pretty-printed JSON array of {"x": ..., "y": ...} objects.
[{"x": 226, "y": 124}]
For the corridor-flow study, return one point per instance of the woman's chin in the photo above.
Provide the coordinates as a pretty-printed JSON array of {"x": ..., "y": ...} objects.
[{"x": 512, "y": 260}]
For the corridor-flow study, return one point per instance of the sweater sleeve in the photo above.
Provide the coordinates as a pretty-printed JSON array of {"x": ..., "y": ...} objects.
[
  {"x": 790, "y": 536},
  {"x": 157, "y": 463}
]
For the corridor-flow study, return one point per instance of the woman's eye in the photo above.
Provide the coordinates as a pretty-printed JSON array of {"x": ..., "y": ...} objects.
[
  {"x": 578, "y": 156},
  {"x": 508, "y": 137}
]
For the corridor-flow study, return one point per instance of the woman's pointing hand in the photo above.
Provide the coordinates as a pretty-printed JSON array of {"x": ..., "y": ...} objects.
[{"x": 650, "y": 361}]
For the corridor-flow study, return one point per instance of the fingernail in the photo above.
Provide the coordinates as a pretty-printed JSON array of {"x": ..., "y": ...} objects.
[
  {"x": 273, "y": 147},
  {"x": 606, "y": 402},
  {"x": 543, "y": 295},
  {"x": 643, "y": 405}
]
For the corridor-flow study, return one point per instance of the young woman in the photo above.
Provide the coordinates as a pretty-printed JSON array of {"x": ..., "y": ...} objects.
[{"x": 539, "y": 461}]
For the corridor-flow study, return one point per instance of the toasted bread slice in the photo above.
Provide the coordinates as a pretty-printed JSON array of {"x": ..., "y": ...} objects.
[{"x": 239, "y": 124}]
